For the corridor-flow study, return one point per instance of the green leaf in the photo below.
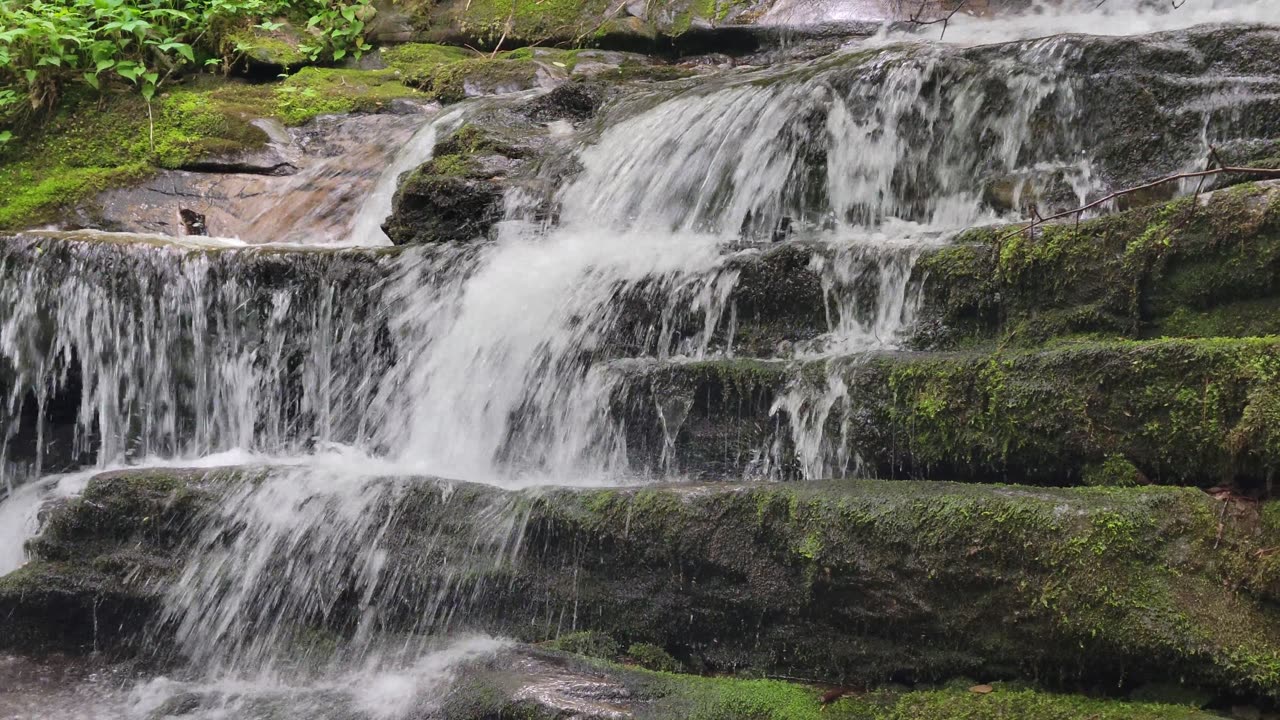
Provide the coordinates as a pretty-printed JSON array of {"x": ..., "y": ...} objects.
[
  {"x": 5, "y": 136},
  {"x": 130, "y": 71},
  {"x": 105, "y": 64},
  {"x": 148, "y": 91},
  {"x": 92, "y": 80},
  {"x": 339, "y": 53}
]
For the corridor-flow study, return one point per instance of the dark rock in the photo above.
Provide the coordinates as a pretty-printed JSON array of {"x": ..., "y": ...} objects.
[
  {"x": 434, "y": 204},
  {"x": 192, "y": 222},
  {"x": 575, "y": 101},
  {"x": 458, "y": 196}
]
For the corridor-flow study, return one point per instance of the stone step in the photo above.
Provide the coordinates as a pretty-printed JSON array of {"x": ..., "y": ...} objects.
[
  {"x": 1177, "y": 411},
  {"x": 844, "y": 582}
]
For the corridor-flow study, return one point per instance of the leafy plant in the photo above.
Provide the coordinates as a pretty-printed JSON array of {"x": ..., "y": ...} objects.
[
  {"x": 340, "y": 29},
  {"x": 46, "y": 44}
]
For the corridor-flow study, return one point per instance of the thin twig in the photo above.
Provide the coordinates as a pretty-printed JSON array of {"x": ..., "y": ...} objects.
[
  {"x": 945, "y": 19},
  {"x": 603, "y": 21},
  {"x": 511, "y": 18},
  {"x": 1266, "y": 172}
]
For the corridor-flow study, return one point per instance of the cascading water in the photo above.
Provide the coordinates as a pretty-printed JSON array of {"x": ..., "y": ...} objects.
[{"x": 492, "y": 362}]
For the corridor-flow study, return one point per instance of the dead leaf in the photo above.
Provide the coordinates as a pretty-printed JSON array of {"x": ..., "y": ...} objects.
[{"x": 981, "y": 689}]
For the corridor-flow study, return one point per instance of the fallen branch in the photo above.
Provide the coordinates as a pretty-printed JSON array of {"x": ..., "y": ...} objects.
[
  {"x": 511, "y": 18},
  {"x": 1266, "y": 172}
]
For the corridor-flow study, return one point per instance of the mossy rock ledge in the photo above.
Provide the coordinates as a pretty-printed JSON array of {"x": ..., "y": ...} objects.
[
  {"x": 843, "y": 582},
  {"x": 1176, "y": 411},
  {"x": 542, "y": 684},
  {"x": 1199, "y": 266}
]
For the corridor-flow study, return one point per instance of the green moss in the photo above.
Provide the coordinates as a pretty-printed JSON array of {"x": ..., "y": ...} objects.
[
  {"x": 665, "y": 696},
  {"x": 590, "y": 644},
  {"x": 42, "y": 193},
  {"x": 698, "y": 698},
  {"x": 1244, "y": 318},
  {"x": 1023, "y": 704},
  {"x": 1106, "y": 569},
  {"x": 1271, "y": 519},
  {"x": 1115, "y": 471},
  {"x": 413, "y": 59},
  {"x": 1182, "y": 268},
  {"x": 195, "y": 125},
  {"x": 448, "y": 82},
  {"x": 326, "y": 91},
  {"x": 94, "y": 145},
  {"x": 452, "y": 165},
  {"x": 530, "y": 20},
  {"x": 647, "y": 73},
  {"x": 571, "y": 22},
  {"x": 652, "y": 657},
  {"x": 1172, "y": 411},
  {"x": 275, "y": 49},
  {"x": 929, "y": 580}
]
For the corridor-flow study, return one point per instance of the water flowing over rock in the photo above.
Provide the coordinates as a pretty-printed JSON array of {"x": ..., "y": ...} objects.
[{"x": 533, "y": 368}]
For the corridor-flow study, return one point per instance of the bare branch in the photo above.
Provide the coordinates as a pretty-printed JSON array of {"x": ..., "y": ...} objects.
[
  {"x": 1221, "y": 170},
  {"x": 915, "y": 18}
]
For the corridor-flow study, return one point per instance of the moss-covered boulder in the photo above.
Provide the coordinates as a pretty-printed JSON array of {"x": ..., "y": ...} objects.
[
  {"x": 101, "y": 554},
  {"x": 457, "y": 196},
  {"x": 267, "y": 53},
  {"x": 849, "y": 582}
]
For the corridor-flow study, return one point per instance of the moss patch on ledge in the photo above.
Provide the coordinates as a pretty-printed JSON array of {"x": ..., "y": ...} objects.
[
  {"x": 490, "y": 693},
  {"x": 574, "y": 22},
  {"x": 1189, "y": 267},
  {"x": 91, "y": 146},
  {"x": 94, "y": 144}
]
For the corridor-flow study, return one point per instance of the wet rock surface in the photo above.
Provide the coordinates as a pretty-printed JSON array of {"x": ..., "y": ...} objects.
[{"x": 304, "y": 186}]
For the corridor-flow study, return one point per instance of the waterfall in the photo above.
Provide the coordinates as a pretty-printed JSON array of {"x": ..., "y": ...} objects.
[
  {"x": 365, "y": 387},
  {"x": 484, "y": 362},
  {"x": 128, "y": 350}
]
